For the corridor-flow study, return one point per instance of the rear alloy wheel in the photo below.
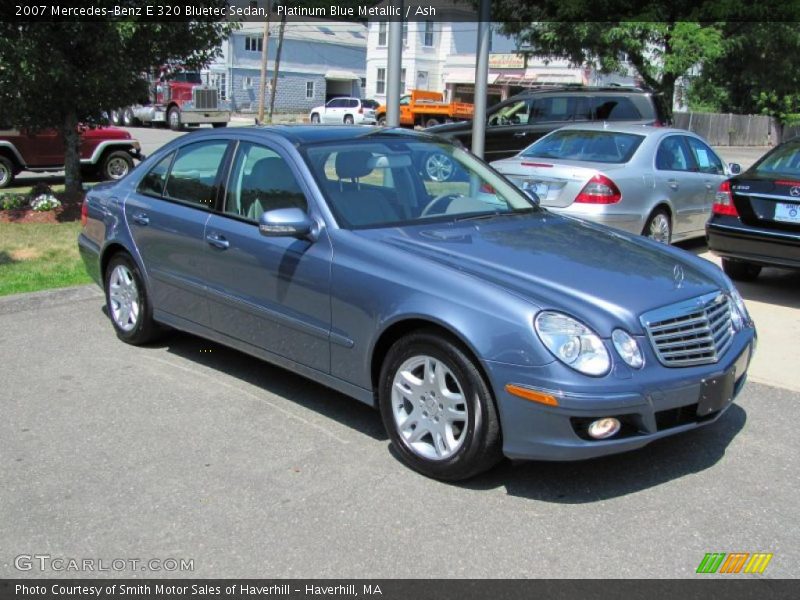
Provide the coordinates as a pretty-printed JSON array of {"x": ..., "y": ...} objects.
[
  {"x": 127, "y": 302},
  {"x": 6, "y": 172},
  {"x": 116, "y": 165},
  {"x": 437, "y": 408},
  {"x": 438, "y": 167},
  {"x": 174, "y": 118},
  {"x": 348, "y": 120},
  {"x": 740, "y": 270},
  {"x": 659, "y": 227}
]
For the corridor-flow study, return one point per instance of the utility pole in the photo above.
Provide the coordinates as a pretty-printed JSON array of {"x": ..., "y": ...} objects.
[
  {"x": 481, "y": 77},
  {"x": 262, "y": 86},
  {"x": 393, "y": 71},
  {"x": 277, "y": 67}
]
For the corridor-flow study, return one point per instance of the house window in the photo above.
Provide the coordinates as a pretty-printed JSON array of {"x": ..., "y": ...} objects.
[
  {"x": 309, "y": 90},
  {"x": 422, "y": 80},
  {"x": 405, "y": 33},
  {"x": 380, "y": 82},
  {"x": 253, "y": 43},
  {"x": 382, "y": 33},
  {"x": 428, "y": 35},
  {"x": 247, "y": 83},
  {"x": 402, "y": 80}
]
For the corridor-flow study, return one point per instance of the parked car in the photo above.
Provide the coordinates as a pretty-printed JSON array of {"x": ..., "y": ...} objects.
[
  {"x": 349, "y": 111},
  {"x": 106, "y": 152},
  {"x": 756, "y": 215},
  {"x": 479, "y": 324},
  {"x": 522, "y": 119},
  {"x": 655, "y": 181}
]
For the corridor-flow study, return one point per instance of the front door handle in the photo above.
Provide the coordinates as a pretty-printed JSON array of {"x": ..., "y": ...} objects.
[
  {"x": 521, "y": 134},
  {"x": 141, "y": 218},
  {"x": 673, "y": 183},
  {"x": 218, "y": 241}
]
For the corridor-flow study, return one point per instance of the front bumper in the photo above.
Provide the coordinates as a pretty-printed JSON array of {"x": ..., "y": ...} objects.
[
  {"x": 728, "y": 237},
  {"x": 652, "y": 403}
]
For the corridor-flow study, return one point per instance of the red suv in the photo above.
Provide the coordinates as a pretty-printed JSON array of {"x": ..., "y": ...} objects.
[{"x": 106, "y": 152}]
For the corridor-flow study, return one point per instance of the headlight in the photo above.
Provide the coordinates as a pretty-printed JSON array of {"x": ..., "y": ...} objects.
[
  {"x": 628, "y": 348},
  {"x": 739, "y": 314},
  {"x": 572, "y": 343}
]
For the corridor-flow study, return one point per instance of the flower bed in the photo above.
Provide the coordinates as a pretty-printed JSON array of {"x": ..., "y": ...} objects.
[{"x": 40, "y": 205}]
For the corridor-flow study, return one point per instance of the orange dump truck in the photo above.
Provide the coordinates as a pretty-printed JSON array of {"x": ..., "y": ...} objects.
[{"x": 426, "y": 109}]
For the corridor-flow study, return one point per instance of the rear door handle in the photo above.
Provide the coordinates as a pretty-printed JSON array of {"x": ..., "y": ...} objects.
[
  {"x": 218, "y": 241},
  {"x": 141, "y": 218},
  {"x": 521, "y": 134},
  {"x": 673, "y": 183}
]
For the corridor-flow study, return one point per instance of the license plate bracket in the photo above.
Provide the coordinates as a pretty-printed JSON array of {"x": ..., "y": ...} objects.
[{"x": 717, "y": 392}]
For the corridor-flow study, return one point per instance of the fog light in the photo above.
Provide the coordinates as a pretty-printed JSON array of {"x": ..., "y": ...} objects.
[{"x": 604, "y": 428}]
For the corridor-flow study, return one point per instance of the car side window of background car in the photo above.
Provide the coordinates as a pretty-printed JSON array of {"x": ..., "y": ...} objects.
[
  {"x": 561, "y": 108},
  {"x": 672, "y": 155},
  {"x": 194, "y": 173},
  {"x": 616, "y": 108},
  {"x": 154, "y": 182},
  {"x": 261, "y": 180},
  {"x": 704, "y": 157}
]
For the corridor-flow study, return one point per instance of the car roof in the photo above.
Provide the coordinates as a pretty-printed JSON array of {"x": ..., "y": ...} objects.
[
  {"x": 646, "y": 130},
  {"x": 583, "y": 89},
  {"x": 318, "y": 134}
]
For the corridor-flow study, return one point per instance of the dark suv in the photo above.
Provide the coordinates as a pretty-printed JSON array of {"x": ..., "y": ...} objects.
[{"x": 522, "y": 119}]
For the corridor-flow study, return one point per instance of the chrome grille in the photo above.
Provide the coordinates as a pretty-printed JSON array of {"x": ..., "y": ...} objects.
[
  {"x": 694, "y": 332},
  {"x": 205, "y": 98}
]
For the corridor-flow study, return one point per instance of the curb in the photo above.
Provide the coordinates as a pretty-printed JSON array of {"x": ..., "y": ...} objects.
[{"x": 48, "y": 298}]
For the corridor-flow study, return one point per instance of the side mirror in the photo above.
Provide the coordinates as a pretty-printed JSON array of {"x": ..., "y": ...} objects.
[
  {"x": 735, "y": 168},
  {"x": 285, "y": 222}
]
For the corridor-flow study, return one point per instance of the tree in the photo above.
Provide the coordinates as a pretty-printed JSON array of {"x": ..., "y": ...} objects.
[
  {"x": 62, "y": 74},
  {"x": 757, "y": 73}
]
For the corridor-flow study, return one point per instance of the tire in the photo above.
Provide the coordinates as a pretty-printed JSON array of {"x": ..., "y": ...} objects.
[
  {"x": 740, "y": 270},
  {"x": 459, "y": 440},
  {"x": 658, "y": 227},
  {"x": 348, "y": 120},
  {"x": 315, "y": 118},
  {"x": 219, "y": 125},
  {"x": 128, "y": 119},
  {"x": 127, "y": 301},
  {"x": 115, "y": 116},
  {"x": 382, "y": 121},
  {"x": 431, "y": 122},
  {"x": 438, "y": 167},
  {"x": 174, "y": 119},
  {"x": 6, "y": 172},
  {"x": 115, "y": 165}
]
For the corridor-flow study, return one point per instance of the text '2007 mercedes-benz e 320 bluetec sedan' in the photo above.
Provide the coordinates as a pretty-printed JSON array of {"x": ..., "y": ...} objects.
[{"x": 477, "y": 322}]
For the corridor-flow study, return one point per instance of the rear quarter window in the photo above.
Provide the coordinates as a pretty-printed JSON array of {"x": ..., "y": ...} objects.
[{"x": 617, "y": 108}]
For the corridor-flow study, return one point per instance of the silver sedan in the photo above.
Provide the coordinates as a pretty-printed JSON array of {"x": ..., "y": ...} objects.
[{"x": 655, "y": 181}]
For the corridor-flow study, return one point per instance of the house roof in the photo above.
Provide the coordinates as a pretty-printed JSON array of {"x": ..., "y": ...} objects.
[{"x": 320, "y": 31}]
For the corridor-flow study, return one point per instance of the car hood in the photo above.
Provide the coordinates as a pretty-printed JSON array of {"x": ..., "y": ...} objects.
[{"x": 600, "y": 276}]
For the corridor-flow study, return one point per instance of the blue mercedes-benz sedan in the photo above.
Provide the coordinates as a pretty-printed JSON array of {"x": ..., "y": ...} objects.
[{"x": 478, "y": 323}]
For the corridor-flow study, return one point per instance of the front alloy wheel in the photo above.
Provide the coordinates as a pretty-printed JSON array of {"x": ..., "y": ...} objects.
[{"x": 437, "y": 408}]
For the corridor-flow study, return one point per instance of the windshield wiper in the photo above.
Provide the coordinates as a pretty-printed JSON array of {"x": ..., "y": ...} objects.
[{"x": 496, "y": 213}]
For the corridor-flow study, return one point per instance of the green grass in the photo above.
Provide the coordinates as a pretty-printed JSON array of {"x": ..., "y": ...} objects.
[{"x": 39, "y": 256}]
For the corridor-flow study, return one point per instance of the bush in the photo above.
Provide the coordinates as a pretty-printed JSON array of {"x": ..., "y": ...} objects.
[{"x": 12, "y": 201}]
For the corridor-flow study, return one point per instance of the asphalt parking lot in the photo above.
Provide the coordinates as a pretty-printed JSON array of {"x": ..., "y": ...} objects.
[{"x": 188, "y": 450}]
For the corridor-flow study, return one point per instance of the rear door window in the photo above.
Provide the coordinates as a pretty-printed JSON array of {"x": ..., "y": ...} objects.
[
  {"x": 193, "y": 177},
  {"x": 561, "y": 108},
  {"x": 673, "y": 155}
]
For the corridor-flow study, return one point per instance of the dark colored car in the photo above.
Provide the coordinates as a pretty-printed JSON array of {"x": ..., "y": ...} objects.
[
  {"x": 106, "y": 152},
  {"x": 522, "y": 119},
  {"x": 755, "y": 220},
  {"x": 478, "y": 323}
]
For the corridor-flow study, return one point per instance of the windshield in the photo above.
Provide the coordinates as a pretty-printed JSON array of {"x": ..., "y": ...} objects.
[
  {"x": 784, "y": 160},
  {"x": 188, "y": 77},
  {"x": 382, "y": 181},
  {"x": 588, "y": 146}
]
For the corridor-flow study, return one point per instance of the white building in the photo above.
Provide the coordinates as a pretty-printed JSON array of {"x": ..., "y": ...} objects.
[{"x": 441, "y": 57}]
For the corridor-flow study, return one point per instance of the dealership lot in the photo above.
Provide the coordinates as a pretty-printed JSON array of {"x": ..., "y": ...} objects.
[{"x": 187, "y": 450}]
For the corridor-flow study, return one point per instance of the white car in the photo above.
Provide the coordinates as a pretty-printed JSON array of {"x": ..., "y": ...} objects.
[{"x": 348, "y": 111}]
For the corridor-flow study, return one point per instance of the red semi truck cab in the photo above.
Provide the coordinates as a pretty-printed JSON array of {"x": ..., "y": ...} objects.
[{"x": 179, "y": 99}]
